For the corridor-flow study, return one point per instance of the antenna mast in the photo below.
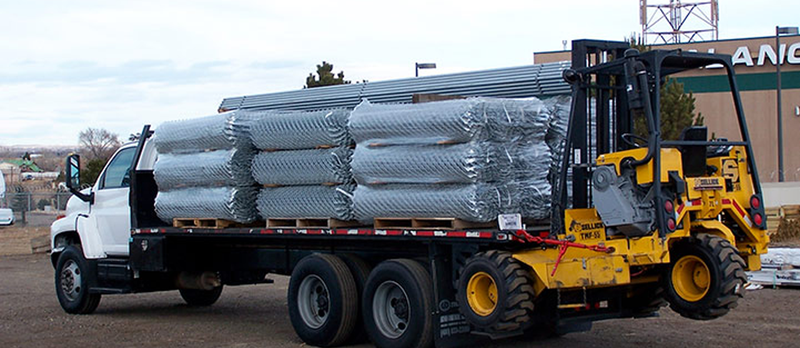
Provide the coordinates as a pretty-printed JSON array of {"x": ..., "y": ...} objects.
[{"x": 679, "y": 21}]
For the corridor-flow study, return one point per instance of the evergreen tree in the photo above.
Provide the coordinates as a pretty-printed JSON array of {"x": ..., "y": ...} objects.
[
  {"x": 325, "y": 77},
  {"x": 91, "y": 170},
  {"x": 677, "y": 107}
]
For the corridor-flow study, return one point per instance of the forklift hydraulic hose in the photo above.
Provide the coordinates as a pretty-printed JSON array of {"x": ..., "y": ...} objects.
[{"x": 638, "y": 69}]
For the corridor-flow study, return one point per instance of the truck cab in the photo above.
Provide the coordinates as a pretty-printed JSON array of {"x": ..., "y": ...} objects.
[{"x": 98, "y": 218}]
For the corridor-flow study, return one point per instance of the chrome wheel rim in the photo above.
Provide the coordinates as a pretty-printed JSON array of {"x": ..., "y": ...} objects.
[
  {"x": 390, "y": 309},
  {"x": 313, "y": 301},
  {"x": 71, "y": 280}
]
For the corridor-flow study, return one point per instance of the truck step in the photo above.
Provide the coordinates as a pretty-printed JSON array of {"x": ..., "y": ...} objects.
[
  {"x": 310, "y": 223},
  {"x": 429, "y": 224},
  {"x": 206, "y": 223}
]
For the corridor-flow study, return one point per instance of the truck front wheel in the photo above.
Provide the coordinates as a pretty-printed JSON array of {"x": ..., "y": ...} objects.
[
  {"x": 323, "y": 300},
  {"x": 706, "y": 277},
  {"x": 398, "y": 305},
  {"x": 201, "y": 298},
  {"x": 72, "y": 283}
]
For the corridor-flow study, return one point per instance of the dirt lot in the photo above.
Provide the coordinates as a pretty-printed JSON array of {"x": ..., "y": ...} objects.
[{"x": 256, "y": 316}]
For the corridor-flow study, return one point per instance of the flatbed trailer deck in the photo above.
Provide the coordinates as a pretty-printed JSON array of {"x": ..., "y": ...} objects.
[{"x": 249, "y": 255}]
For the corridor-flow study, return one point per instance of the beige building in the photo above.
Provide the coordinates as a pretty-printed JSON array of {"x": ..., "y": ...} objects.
[{"x": 755, "y": 64}]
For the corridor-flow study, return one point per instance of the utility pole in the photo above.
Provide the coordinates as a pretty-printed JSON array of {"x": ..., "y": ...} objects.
[{"x": 778, "y": 31}]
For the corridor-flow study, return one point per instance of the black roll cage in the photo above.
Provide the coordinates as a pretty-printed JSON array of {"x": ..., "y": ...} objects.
[{"x": 600, "y": 67}]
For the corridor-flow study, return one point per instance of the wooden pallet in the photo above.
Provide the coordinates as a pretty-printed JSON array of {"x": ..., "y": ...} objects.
[
  {"x": 791, "y": 211},
  {"x": 310, "y": 223},
  {"x": 774, "y": 216},
  {"x": 429, "y": 224},
  {"x": 206, "y": 223}
]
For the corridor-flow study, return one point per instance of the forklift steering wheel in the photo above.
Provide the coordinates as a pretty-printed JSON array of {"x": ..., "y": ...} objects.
[{"x": 631, "y": 139}]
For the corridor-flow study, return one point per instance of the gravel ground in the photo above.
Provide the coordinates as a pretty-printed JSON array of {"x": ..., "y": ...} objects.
[{"x": 256, "y": 316}]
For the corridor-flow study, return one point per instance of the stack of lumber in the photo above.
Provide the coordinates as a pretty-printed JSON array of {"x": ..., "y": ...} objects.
[
  {"x": 783, "y": 223},
  {"x": 779, "y": 267}
]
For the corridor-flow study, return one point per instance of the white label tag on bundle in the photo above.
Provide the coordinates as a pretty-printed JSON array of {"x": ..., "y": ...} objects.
[{"x": 511, "y": 222}]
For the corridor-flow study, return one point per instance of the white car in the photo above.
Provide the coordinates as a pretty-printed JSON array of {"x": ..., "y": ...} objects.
[{"x": 6, "y": 217}]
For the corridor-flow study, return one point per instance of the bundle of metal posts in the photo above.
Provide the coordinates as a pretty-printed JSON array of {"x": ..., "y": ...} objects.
[{"x": 540, "y": 80}]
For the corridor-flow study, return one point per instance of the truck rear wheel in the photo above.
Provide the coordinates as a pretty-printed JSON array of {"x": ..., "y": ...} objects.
[
  {"x": 360, "y": 270},
  {"x": 398, "y": 305},
  {"x": 72, "y": 283},
  {"x": 323, "y": 300},
  {"x": 495, "y": 292},
  {"x": 706, "y": 277},
  {"x": 201, "y": 298}
]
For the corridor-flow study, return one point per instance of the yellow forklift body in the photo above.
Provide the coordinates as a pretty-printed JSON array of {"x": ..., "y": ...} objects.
[{"x": 709, "y": 204}]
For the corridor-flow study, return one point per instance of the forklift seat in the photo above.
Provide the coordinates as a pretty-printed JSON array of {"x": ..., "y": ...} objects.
[{"x": 694, "y": 156}]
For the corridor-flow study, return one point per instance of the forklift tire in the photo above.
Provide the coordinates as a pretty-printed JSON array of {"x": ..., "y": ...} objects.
[
  {"x": 398, "y": 305},
  {"x": 360, "y": 270},
  {"x": 72, "y": 282},
  {"x": 201, "y": 298},
  {"x": 706, "y": 277},
  {"x": 647, "y": 300},
  {"x": 323, "y": 300},
  {"x": 494, "y": 292}
]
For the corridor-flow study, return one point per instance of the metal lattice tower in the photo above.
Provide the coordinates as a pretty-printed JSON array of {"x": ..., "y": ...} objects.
[{"x": 679, "y": 21}]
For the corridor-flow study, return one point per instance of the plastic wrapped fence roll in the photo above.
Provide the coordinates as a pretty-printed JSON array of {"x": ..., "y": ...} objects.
[
  {"x": 292, "y": 130},
  {"x": 452, "y": 121},
  {"x": 229, "y": 203},
  {"x": 459, "y": 163},
  {"x": 217, "y": 132},
  {"x": 306, "y": 202},
  {"x": 515, "y": 119},
  {"x": 303, "y": 167},
  {"x": 448, "y": 122},
  {"x": 471, "y": 202},
  {"x": 213, "y": 168},
  {"x": 557, "y": 129}
]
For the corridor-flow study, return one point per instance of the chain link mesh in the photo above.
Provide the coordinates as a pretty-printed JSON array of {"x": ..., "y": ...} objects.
[
  {"x": 306, "y": 202},
  {"x": 452, "y": 121},
  {"x": 216, "y": 132},
  {"x": 229, "y": 203},
  {"x": 303, "y": 167},
  {"x": 292, "y": 130},
  {"x": 213, "y": 168},
  {"x": 458, "y": 163},
  {"x": 472, "y": 202}
]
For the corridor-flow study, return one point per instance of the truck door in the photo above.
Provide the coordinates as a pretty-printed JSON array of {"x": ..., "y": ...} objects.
[{"x": 110, "y": 209}]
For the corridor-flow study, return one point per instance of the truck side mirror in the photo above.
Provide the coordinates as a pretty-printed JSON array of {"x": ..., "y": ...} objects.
[{"x": 73, "y": 174}]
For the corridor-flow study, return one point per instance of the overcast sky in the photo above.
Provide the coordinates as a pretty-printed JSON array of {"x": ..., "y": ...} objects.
[{"x": 68, "y": 65}]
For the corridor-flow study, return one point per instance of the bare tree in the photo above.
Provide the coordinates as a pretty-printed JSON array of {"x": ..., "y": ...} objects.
[{"x": 99, "y": 143}]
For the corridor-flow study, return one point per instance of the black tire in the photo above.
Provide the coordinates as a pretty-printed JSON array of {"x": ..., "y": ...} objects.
[
  {"x": 409, "y": 278},
  {"x": 514, "y": 299},
  {"x": 726, "y": 275},
  {"x": 201, "y": 298},
  {"x": 646, "y": 300},
  {"x": 330, "y": 318},
  {"x": 73, "y": 294},
  {"x": 360, "y": 270}
]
